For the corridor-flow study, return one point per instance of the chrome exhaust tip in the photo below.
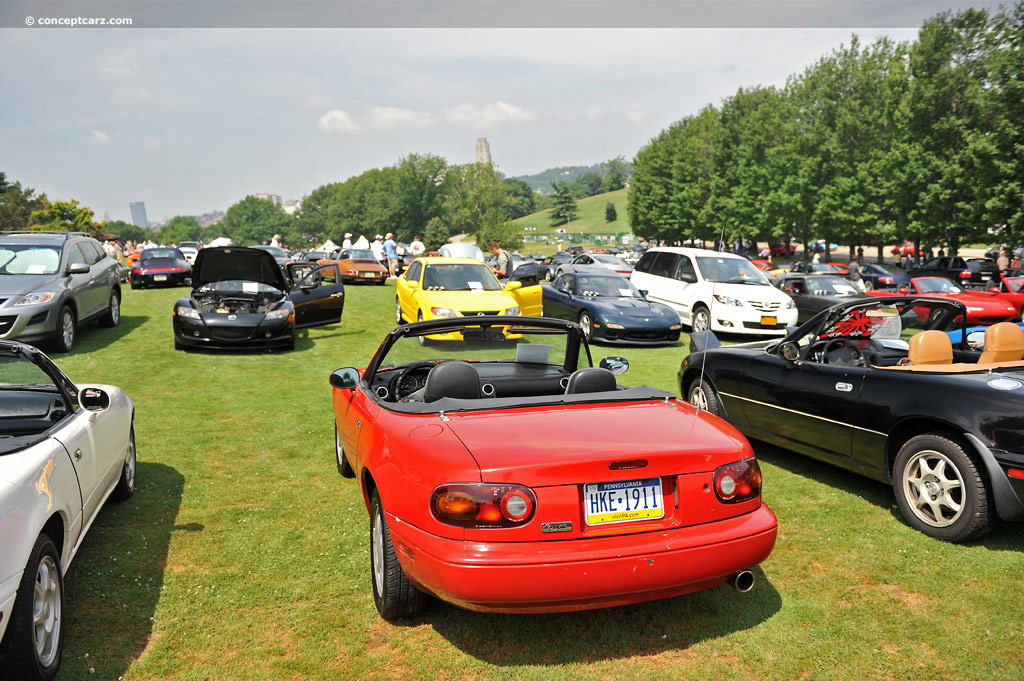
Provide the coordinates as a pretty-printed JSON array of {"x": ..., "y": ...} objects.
[{"x": 742, "y": 581}]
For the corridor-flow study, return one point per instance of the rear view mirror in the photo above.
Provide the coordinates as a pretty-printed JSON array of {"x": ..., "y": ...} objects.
[{"x": 346, "y": 378}]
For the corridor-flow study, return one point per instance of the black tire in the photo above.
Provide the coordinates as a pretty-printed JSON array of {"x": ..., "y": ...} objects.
[
  {"x": 869, "y": 285},
  {"x": 112, "y": 317},
  {"x": 126, "y": 484},
  {"x": 290, "y": 345},
  {"x": 399, "y": 319},
  {"x": 588, "y": 325},
  {"x": 133, "y": 285},
  {"x": 344, "y": 467},
  {"x": 940, "y": 490},
  {"x": 423, "y": 339},
  {"x": 547, "y": 276},
  {"x": 177, "y": 345},
  {"x": 701, "y": 395},
  {"x": 393, "y": 594},
  {"x": 700, "y": 320},
  {"x": 64, "y": 334},
  {"x": 22, "y": 657}
]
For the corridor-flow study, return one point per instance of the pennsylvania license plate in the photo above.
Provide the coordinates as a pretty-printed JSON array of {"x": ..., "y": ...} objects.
[
  {"x": 159, "y": 277},
  {"x": 623, "y": 501},
  {"x": 769, "y": 321}
]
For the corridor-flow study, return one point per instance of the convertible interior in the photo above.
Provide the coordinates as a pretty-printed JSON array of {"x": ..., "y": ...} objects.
[{"x": 26, "y": 414}]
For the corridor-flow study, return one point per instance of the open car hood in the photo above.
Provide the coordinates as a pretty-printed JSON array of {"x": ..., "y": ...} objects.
[{"x": 232, "y": 262}]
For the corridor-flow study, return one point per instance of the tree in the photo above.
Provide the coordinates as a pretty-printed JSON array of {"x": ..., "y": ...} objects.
[
  {"x": 16, "y": 204},
  {"x": 519, "y": 199},
  {"x": 1005, "y": 201},
  {"x": 473, "y": 192},
  {"x": 125, "y": 230},
  {"x": 62, "y": 215},
  {"x": 419, "y": 193},
  {"x": 616, "y": 174},
  {"x": 587, "y": 184},
  {"x": 253, "y": 221},
  {"x": 565, "y": 207},
  {"x": 436, "y": 234},
  {"x": 495, "y": 228},
  {"x": 180, "y": 228},
  {"x": 610, "y": 215}
]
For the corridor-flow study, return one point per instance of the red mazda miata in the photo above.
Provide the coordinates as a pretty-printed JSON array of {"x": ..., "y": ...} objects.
[{"x": 494, "y": 482}]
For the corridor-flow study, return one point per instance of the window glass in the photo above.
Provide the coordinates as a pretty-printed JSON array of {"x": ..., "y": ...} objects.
[
  {"x": 29, "y": 259},
  {"x": 92, "y": 252},
  {"x": 413, "y": 273},
  {"x": 685, "y": 271},
  {"x": 75, "y": 255},
  {"x": 665, "y": 264}
]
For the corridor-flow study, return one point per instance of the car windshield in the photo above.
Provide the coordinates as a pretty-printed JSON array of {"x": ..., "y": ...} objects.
[
  {"x": 19, "y": 372},
  {"x": 725, "y": 270},
  {"x": 1015, "y": 284},
  {"x": 17, "y": 259},
  {"x": 459, "y": 277},
  {"x": 606, "y": 287},
  {"x": 889, "y": 324},
  {"x": 829, "y": 286},
  {"x": 936, "y": 285},
  {"x": 151, "y": 253},
  {"x": 608, "y": 259},
  {"x": 358, "y": 253},
  {"x": 237, "y": 286}
]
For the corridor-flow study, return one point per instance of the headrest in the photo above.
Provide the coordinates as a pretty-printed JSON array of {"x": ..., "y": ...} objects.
[
  {"x": 1004, "y": 342},
  {"x": 931, "y": 347},
  {"x": 452, "y": 379},
  {"x": 590, "y": 380}
]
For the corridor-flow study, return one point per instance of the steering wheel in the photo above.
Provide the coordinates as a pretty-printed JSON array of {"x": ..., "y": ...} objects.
[
  {"x": 844, "y": 352},
  {"x": 411, "y": 379}
]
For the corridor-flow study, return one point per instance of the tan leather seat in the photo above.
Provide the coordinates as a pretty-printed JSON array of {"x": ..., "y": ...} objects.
[
  {"x": 1004, "y": 342},
  {"x": 931, "y": 347}
]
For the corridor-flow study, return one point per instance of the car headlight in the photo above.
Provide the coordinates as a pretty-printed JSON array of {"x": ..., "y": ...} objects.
[
  {"x": 675, "y": 327},
  {"x": 728, "y": 300},
  {"x": 443, "y": 312},
  {"x": 614, "y": 326},
  {"x": 187, "y": 312},
  {"x": 790, "y": 304},
  {"x": 511, "y": 312},
  {"x": 35, "y": 299},
  {"x": 278, "y": 314}
]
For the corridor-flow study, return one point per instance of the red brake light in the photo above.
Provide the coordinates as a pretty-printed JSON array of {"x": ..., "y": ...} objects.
[
  {"x": 1016, "y": 473},
  {"x": 886, "y": 280},
  {"x": 966, "y": 274},
  {"x": 736, "y": 482},
  {"x": 483, "y": 505}
]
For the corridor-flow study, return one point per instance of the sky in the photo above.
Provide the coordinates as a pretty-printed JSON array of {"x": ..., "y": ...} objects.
[{"x": 191, "y": 120}]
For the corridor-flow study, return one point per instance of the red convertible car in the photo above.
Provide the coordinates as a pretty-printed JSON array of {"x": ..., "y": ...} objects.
[
  {"x": 1011, "y": 290},
  {"x": 983, "y": 307},
  {"x": 493, "y": 483}
]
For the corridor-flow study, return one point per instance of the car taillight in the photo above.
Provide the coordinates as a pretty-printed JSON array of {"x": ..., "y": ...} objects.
[
  {"x": 483, "y": 505},
  {"x": 966, "y": 274},
  {"x": 138, "y": 270},
  {"x": 736, "y": 482},
  {"x": 886, "y": 280}
]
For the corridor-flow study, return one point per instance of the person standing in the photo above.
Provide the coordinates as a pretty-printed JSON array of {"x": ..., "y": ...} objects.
[
  {"x": 855, "y": 276},
  {"x": 391, "y": 253},
  {"x": 378, "y": 249},
  {"x": 502, "y": 262},
  {"x": 347, "y": 243},
  {"x": 416, "y": 248},
  {"x": 1003, "y": 262}
]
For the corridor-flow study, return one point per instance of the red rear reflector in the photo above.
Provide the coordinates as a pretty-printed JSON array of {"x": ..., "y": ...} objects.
[
  {"x": 1016, "y": 473},
  {"x": 627, "y": 465}
]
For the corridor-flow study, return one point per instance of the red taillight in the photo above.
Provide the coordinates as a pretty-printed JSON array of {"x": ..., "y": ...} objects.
[
  {"x": 886, "y": 280},
  {"x": 483, "y": 505},
  {"x": 736, "y": 482},
  {"x": 1016, "y": 473},
  {"x": 138, "y": 271},
  {"x": 966, "y": 274}
]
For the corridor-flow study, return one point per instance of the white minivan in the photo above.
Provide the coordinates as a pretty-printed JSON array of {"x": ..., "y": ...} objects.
[{"x": 718, "y": 291}]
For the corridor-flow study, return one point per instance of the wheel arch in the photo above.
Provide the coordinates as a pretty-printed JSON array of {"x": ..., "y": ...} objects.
[
  {"x": 369, "y": 485},
  {"x": 56, "y": 529},
  {"x": 914, "y": 426}
]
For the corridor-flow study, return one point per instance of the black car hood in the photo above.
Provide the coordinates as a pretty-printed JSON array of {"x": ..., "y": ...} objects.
[
  {"x": 237, "y": 263},
  {"x": 630, "y": 307}
]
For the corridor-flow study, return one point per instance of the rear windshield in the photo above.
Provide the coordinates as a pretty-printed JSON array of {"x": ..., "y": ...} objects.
[{"x": 151, "y": 253}]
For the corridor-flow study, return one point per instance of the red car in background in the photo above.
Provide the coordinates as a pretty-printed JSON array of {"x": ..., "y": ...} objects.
[
  {"x": 496, "y": 485},
  {"x": 906, "y": 249},
  {"x": 1011, "y": 289},
  {"x": 782, "y": 249},
  {"x": 983, "y": 307}
]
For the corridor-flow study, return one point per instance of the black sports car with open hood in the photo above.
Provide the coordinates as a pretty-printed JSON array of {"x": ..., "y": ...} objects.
[{"x": 241, "y": 298}]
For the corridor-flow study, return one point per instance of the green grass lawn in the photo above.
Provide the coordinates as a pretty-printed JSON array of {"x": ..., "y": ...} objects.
[
  {"x": 591, "y": 217},
  {"x": 244, "y": 555}
]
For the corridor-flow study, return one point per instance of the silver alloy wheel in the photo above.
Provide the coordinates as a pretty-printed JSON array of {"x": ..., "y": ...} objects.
[
  {"x": 67, "y": 328},
  {"x": 129, "y": 463},
  {"x": 398, "y": 312},
  {"x": 46, "y": 613},
  {"x": 377, "y": 550},
  {"x": 701, "y": 319},
  {"x": 339, "y": 450},
  {"x": 698, "y": 398},
  {"x": 934, "y": 496},
  {"x": 587, "y": 325},
  {"x": 115, "y": 309}
]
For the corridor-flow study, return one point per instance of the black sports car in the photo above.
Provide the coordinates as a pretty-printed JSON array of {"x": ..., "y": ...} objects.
[
  {"x": 877, "y": 387},
  {"x": 610, "y": 309},
  {"x": 162, "y": 266},
  {"x": 241, "y": 299},
  {"x": 813, "y": 293},
  {"x": 968, "y": 272}
]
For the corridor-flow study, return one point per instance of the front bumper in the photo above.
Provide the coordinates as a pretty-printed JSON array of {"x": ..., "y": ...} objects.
[
  {"x": 196, "y": 333},
  {"x": 29, "y": 323},
  {"x": 581, "y": 574},
  {"x": 634, "y": 336},
  {"x": 747, "y": 320}
]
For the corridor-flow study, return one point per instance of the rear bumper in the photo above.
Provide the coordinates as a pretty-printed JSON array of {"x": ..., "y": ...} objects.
[
  {"x": 581, "y": 574},
  {"x": 170, "y": 279}
]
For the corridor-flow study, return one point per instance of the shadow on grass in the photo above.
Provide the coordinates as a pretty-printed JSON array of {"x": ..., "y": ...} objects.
[
  {"x": 1004, "y": 536},
  {"x": 91, "y": 336},
  {"x": 114, "y": 585},
  {"x": 641, "y": 630}
]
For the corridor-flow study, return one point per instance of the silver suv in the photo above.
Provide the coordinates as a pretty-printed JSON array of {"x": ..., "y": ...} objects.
[{"x": 53, "y": 282}]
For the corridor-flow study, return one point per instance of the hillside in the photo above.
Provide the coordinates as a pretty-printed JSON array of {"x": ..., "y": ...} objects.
[
  {"x": 590, "y": 217},
  {"x": 542, "y": 181}
]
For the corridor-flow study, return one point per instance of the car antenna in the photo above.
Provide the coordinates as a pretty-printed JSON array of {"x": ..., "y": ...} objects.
[{"x": 714, "y": 280}]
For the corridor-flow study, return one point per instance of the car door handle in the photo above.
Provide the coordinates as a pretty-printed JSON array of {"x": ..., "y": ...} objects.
[
  {"x": 339, "y": 294},
  {"x": 844, "y": 387},
  {"x": 78, "y": 455},
  {"x": 359, "y": 423}
]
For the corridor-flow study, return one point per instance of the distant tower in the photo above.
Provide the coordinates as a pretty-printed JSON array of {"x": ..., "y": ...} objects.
[
  {"x": 483, "y": 150},
  {"x": 138, "y": 210}
]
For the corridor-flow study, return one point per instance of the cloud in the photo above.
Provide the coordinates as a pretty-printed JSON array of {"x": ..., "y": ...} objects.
[
  {"x": 98, "y": 137},
  {"x": 637, "y": 115},
  {"x": 594, "y": 113},
  {"x": 339, "y": 121},
  {"x": 473, "y": 115},
  {"x": 393, "y": 118},
  {"x": 318, "y": 101}
]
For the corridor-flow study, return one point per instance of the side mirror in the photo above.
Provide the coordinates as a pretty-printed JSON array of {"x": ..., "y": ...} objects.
[
  {"x": 78, "y": 268},
  {"x": 976, "y": 340},
  {"x": 790, "y": 351},
  {"x": 904, "y": 290},
  {"x": 93, "y": 399},
  {"x": 644, "y": 292},
  {"x": 565, "y": 290},
  {"x": 410, "y": 284},
  {"x": 513, "y": 285},
  {"x": 345, "y": 379},
  {"x": 616, "y": 365}
]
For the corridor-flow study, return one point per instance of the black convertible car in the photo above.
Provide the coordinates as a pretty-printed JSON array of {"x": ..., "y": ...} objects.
[
  {"x": 241, "y": 298},
  {"x": 610, "y": 309},
  {"x": 813, "y": 293},
  {"x": 877, "y": 387}
]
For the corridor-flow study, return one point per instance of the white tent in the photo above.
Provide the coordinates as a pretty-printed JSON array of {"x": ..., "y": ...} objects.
[
  {"x": 221, "y": 241},
  {"x": 361, "y": 242},
  {"x": 329, "y": 246}
]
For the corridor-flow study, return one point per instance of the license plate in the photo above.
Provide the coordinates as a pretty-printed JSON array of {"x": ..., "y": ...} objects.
[
  {"x": 986, "y": 277},
  {"x": 368, "y": 275},
  {"x": 769, "y": 321},
  {"x": 159, "y": 277},
  {"x": 623, "y": 501}
]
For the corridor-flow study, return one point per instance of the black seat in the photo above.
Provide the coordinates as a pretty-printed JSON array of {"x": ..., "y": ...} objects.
[
  {"x": 590, "y": 380},
  {"x": 452, "y": 379}
]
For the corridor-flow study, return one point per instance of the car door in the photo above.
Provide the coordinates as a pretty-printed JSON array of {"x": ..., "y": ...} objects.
[
  {"x": 558, "y": 298},
  {"x": 530, "y": 294},
  {"x": 319, "y": 297},
  {"x": 91, "y": 439},
  {"x": 810, "y": 404},
  {"x": 102, "y": 271},
  {"x": 407, "y": 289},
  {"x": 82, "y": 285}
]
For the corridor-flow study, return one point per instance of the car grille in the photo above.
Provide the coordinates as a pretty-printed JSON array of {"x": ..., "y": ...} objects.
[
  {"x": 477, "y": 313},
  {"x": 648, "y": 335},
  {"x": 762, "y": 306},
  {"x": 6, "y": 323},
  {"x": 229, "y": 333},
  {"x": 758, "y": 325}
]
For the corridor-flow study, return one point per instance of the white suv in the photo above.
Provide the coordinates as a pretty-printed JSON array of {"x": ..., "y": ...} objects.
[{"x": 718, "y": 291}]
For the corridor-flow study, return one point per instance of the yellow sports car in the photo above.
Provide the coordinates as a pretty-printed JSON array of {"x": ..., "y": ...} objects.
[{"x": 436, "y": 288}]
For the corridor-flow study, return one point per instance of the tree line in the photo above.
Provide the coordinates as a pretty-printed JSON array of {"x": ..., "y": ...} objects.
[{"x": 872, "y": 144}]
